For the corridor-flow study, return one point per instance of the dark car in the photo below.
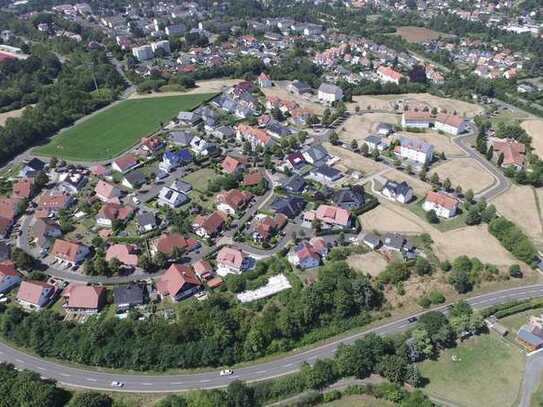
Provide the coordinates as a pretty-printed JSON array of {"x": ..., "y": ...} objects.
[{"x": 412, "y": 320}]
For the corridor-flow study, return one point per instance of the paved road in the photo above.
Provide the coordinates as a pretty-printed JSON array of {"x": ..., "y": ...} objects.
[
  {"x": 501, "y": 184},
  {"x": 141, "y": 383},
  {"x": 531, "y": 378}
]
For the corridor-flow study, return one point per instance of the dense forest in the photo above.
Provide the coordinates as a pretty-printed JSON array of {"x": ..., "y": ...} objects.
[{"x": 215, "y": 332}]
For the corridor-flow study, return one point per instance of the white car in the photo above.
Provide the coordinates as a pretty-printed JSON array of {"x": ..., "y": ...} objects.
[
  {"x": 116, "y": 384},
  {"x": 226, "y": 372}
]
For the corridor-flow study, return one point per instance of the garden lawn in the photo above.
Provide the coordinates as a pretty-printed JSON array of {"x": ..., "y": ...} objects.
[
  {"x": 108, "y": 133},
  {"x": 487, "y": 373},
  {"x": 357, "y": 401}
]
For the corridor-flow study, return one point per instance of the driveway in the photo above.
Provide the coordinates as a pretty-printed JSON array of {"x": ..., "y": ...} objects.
[{"x": 531, "y": 378}]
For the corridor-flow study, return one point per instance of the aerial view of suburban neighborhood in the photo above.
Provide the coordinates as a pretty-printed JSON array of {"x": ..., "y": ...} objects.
[{"x": 285, "y": 203}]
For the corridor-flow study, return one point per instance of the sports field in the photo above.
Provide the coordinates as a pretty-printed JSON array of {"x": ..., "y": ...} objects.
[{"x": 108, "y": 133}]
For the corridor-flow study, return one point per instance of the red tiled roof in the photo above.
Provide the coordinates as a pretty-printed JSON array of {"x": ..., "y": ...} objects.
[
  {"x": 230, "y": 257},
  {"x": 83, "y": 296},
  {"x": 114, "y": 211},
  {"x": 106, "y": 190},
  {"x": 333, "y": 215},
  {"x": 23, "y": 188},
  {"x": 253, "y": 178},
  {"x": 8, "y": 207},
  {"x": 212, "y": 223},
  {"x": 513, "y": 152},
  {"x": 230, "y": 164},
  {"x": 54, "y": 200},
  {"x": 167, "y": 242},
  {"x": 173, "y": 280},
  {"x": 202, "y": 267},
  {"x": 235, "y": 198},
  {"x": 441, "y": 199},
  {"x": 30, "y": 291},
  {"x": 389, "y": 72},
  {"x": 417, "y": 115},
  {"x": 450, "y": 119},
  {"x": 126, "y": 161},
  {"x": 125, "y": 253},
  {"x": 7, "y": 268},
  {"x": 65, "y": 250}
]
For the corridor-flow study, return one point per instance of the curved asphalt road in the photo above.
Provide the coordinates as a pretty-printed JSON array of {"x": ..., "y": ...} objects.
[{"x": 141, "y": 383}]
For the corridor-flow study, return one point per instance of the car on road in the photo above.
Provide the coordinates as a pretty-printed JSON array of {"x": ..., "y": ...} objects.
[
  {"x": 412, "y": 320},
  {"x": 226, "y": 372},
  {"x": 116, "y": 384}
]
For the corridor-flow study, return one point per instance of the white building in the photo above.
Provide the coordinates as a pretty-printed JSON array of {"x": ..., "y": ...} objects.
[
  {"x": 445, "y": 206},
  {"x": 416, "y": 150},
  {"x": 329, "y": 93},
  {"x": 450, "y": 124},
  {"x": 418, "y": 120},
  {"x": 164, "y": 45},
  {"x": 143, "y": 53},
  {"x": 399, "y": 192}
]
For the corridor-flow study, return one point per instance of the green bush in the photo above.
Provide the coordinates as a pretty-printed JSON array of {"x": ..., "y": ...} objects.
[{"x": 331, "y": 396}]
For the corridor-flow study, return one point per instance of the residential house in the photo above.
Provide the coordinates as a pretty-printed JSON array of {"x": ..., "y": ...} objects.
[
  {"x": 295, "y": 161},
  {"x": 329, "y": 93},
  {"x": 326, "y": 174},
  {"x": 146, "y": 222},
  {"x": 203, "y": 269},
  {"x": 173, "y": 159},
  {"x": 371, "y": 240},
  {"x": 180, "y": 138},
  {"x": 375, "y": 142},
  {"x": 35, "y": 295},
  {"x": 389, "y": 75},
  {"x": 231, "y": 260},
  {"x": 171, "y": 196},
  {"x": 9, "y": 277},
  {"x": 234, "y": 165},
  {"x": 384, "y": 129},
  {"x": 167, "y": 243},
  {"x": 127, "y": 254},
  {"x": 450, "y": 124},
  {"x": 308, "y": 254},
  {"x": 42, "y": 232},
  {"x": 349, "y": 198},
  {"x": 331, "y": 216},
  {"x": 224, "y": 133},
  {"x": 125, "y": 163},
  {"x": 130, "y": 296},
  {"x": 256, "y": 137},
  {"x": 110, "y": 212},
  {"x": 151, "y": 144},
  {"x": 189, "y": 118},
  {"x": 83, "y": 299},
  {"x": 291, "y": 207},
  {"x": 299, "y": 88},
  {"x": 51, "y": 202},
  {"x": 294, "y": 185},
  {"x": 417, "y": 120},
  {"x": 69, "y": 252},
  {"x": 107, "y": 192},
  {"x": 253, "y": 178},
  {"x": 231, "y": 202},
  {"x": 134, "y": 180},
  {"x": 264, "y": 81},
  {"x": 415, "y": 150},
  {"x": 530, "y": 335},
  {"x": 316, "y": 155},
  {"x": 178, "y": 282},
  {"x": 22, "y": 189},
  {"x": 209, "y": 226},
  {"x": 204, "y": 148},
  {"x": 264, "y": 227},
  {"x": 397, "y": 243},
  {"x": 32, "y": 167},
  {"x": 444, "y": 205},
  {"x": 398, "y": 191},
  {"x": 513, "y": 152}
]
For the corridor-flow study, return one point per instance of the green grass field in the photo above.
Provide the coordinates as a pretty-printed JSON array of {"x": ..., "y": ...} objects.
[
  {"x": 110, "y": 132},
  {"x": 488, "y": 372}
]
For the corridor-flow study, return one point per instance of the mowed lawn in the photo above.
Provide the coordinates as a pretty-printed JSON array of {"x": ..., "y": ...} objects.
[
  {"x": 487, "y": 372},
  {"x": 112, "y": 131}
]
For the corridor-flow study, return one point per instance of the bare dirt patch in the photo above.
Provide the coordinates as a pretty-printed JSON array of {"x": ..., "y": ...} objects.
[
  {"x": 283, "y": 93},
  {"x": 472, "y": 241},
  {"x": 13, "y": 114},
  {"x": 534, "y": 128},
  {"x": 349, "y": 160},
  {"x": 372, "y": 263},
  {"x": 420, "y": 100},
  {"x": 441, "y": 142},
  {"x": 465, "y": 172},
  {"x": 391, "y": 218},
  {"x": 419, "y": 34},
  {"x": 359, "y": 127},
  {"x": 519, "y": 205},
  {"x": 209, "y": 86}
]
